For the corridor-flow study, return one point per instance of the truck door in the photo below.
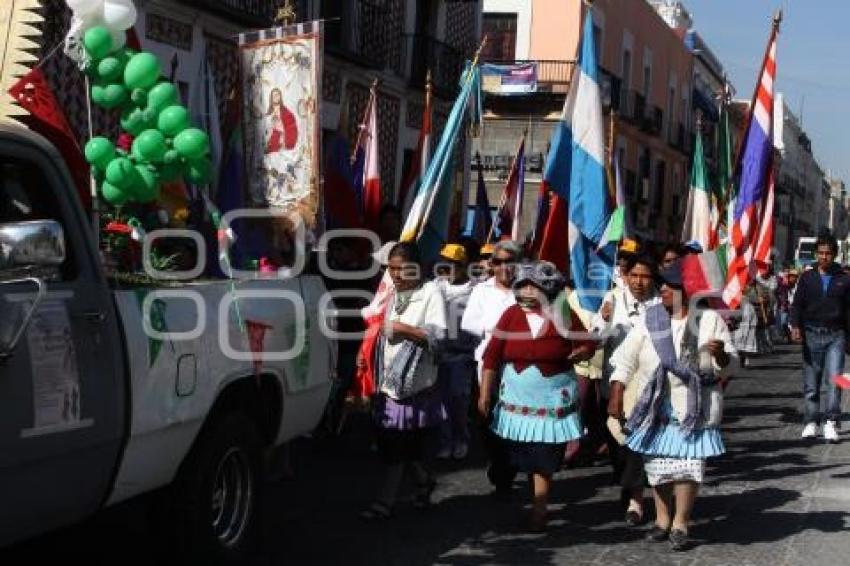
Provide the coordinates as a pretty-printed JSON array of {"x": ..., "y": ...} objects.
[{"x": 62, "y": 405}]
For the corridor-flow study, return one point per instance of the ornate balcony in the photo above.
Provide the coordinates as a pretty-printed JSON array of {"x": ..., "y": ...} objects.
[
  {"x": 253, "y": 13},
  {"x": 444, "y": 61}
]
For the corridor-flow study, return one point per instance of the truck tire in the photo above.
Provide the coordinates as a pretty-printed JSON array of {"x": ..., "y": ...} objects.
[{"x": 217, "y": 492}]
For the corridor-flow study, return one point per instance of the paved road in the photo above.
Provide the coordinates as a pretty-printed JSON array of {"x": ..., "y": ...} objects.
[{"x": 774, "y": 499}]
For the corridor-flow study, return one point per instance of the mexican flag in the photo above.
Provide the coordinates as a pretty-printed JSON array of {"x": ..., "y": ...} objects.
[{"x": 698, "y": 218}]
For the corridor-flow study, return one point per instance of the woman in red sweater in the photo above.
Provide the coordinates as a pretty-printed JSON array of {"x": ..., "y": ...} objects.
[{"x": 530, "y": 359}]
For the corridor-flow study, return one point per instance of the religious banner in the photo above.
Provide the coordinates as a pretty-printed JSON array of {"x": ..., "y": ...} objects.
[{"x": 281, "y": 74}]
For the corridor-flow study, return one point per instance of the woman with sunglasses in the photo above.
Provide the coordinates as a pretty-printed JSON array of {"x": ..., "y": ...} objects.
[
  {"x": 679, "y": 358},
  {"x": 529, "y": 361}
]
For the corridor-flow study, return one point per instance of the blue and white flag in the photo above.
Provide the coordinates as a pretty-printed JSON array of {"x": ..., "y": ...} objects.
[{"x": 576, "y": 171}]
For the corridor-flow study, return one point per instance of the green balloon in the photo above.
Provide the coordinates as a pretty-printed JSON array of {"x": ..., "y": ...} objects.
[
  {"x": 99, "y": 152},
  {"x": 200, "y": 171},
  {"x": 114, "y": 95},
  {"x": 97, "y": 42},
  {"x": 173, "y": 120},
  {"x": 150, "y": 146},
  {"x": 172, "y": 157},
  {"x": 139, "y": 97},
  {"x": 109, "y": 69},
  {"x": 120, "y": 172},
  {"x": 98, "y": 94},
  {"x": 147, "y": 188},
  {"x": 162, "y": 96},
  {"x": 113, "y": 195},
  {"x": 192, "y": 143},
  {"x": 133, "y": 121},
  {"x": 142, "y": 71}
]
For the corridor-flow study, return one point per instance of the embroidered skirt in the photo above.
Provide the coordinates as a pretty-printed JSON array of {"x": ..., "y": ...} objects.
[
  {"x": 535, "y": 408},
  {"x": 666, "y": 470}
]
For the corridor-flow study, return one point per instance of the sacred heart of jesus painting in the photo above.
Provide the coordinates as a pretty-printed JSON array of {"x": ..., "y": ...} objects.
[{"x": 281, "y": 70}]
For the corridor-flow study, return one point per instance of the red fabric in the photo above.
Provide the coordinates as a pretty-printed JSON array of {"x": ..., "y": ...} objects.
[
  {"x": 364, "y": 380},
  {"x": 32, "y": 92},
  {"x": 554, "y": 244},
  {"x": 285, "y": 138},
  {"x": 133, "y": 40},
  {"x": 548, "y": 352},
  {"x": 372, "y": 203},
  {"x": 256, "y": 339}
]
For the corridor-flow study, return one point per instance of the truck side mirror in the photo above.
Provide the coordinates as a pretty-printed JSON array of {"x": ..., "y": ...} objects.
[{"x": 29, "y": 244}]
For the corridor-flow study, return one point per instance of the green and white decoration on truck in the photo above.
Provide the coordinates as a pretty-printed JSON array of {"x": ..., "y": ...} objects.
[{"x": 164, "y": 145}]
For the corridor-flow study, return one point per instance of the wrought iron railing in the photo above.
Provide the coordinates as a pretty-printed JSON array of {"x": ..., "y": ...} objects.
[
  {"x": 443, "y": 61},
  {"x": 251, "y": 12},
  {"x": 363, "y": 33}
]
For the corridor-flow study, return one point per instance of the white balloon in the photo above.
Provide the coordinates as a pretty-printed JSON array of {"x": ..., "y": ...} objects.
[
  {"x": 119, "y": 14},
  {"x": 81, "y": 7},
  {"x": 119, "y": 39}
]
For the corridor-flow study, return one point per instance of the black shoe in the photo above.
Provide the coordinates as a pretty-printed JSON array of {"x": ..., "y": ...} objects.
[
  {"x": 503, "y": 494},
  {"x": 633, "y": 518},
  {"x": 679, "y": 540},
  {"x": 657, "y": 534}
]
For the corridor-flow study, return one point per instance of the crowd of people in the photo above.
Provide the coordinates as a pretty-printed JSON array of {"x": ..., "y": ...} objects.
[{"x": 486, "y": 340}]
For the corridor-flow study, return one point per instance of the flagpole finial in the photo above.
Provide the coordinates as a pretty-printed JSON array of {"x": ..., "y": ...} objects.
[
  {"x": 375, "y": 82},
  {"x": 777, "y": 18},
  {"x": 478, "y": 51}
]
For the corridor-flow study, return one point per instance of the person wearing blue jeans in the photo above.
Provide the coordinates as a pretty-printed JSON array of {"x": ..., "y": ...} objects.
[{"x": 819, "y": 319}]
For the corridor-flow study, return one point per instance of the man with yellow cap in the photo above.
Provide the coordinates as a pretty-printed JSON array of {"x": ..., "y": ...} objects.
[{"x": 456, "y": 355}]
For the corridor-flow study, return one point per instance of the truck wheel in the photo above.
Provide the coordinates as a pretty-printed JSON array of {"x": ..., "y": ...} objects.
[{"x": 217, "y": 491}]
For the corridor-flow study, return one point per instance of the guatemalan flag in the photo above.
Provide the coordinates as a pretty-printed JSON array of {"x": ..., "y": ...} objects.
[
  {"x": 753, "y": 220},
  {"x": 575, "y": 171}
]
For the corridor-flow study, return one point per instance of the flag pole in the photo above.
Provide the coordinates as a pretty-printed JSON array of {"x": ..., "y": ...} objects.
[
  {"x": 373, "y": 92},
  {"x": 421, "y": 229},
  {"x": 504, "y": 198}
]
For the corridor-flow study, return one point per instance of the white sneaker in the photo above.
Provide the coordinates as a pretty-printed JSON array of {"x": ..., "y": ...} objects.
[
  {"x": 810, "y": 430},
  {"x": 444, "y": 453},
  {"x": 460, "y": 451},
  {"x": 830, "y": 434}
]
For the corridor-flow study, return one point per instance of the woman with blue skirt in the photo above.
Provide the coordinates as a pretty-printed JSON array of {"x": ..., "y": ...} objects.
[
  {"x": 680, "y": 359},
  {"x": 529, "y": 363}
]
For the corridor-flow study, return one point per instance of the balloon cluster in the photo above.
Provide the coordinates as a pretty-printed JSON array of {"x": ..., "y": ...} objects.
[{"x": 164, "y": 146}]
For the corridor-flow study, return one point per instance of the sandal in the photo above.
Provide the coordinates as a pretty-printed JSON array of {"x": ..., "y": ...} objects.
[
  {"x": 422, "y": 499},
  {"x": 377, "y": 511}
]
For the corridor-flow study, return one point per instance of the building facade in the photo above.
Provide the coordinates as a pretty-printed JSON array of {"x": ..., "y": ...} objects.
[
  {"x": 646, "y": 76},
  {"x": 394, "y": 41}
]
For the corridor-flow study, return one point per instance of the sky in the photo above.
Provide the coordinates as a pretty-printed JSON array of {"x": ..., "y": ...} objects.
[{"x": 813, "y": 71}]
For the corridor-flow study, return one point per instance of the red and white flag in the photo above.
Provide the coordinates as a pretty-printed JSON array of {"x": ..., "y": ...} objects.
[
  {"x": 510, "y": 205},
  {"x": 372, "y": 199}
]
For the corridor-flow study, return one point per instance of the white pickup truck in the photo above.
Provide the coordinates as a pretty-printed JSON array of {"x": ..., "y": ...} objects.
[{"x": 95, "y": 409}]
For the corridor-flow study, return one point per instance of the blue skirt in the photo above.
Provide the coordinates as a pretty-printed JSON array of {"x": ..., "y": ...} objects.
[
  {"x": 535, "y": 408},
  {"x": 667, "y": 441}
]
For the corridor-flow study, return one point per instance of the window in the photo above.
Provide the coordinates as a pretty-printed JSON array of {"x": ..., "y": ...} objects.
[
  {"x": 660, "y": 175},
  {"x": 26, "y": 193},
  {"x": 671, "y": 107},
  {"x": 501, "y": 32},
  {"x": 647, "y": 81}
]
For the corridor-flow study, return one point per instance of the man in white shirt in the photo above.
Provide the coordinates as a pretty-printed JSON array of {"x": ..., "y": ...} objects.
[
  {"x": 489, "y": 299},
  {"x": 622, "y": 310}
]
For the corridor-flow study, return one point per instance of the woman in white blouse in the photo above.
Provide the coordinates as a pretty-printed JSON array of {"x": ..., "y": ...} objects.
[
  {"x": 408, "y": 406},
  {"x": 680, "y": 358}
]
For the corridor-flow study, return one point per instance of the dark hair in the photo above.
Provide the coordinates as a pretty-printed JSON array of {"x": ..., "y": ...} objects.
[
  {"x": 642, "y": 259},
  {"x": 827, "y": 239},
  {"x": 675, "y": 248},
  {"x": 408, "y": 251}
]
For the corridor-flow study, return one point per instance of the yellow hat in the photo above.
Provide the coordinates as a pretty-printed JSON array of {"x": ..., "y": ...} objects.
[
  {"x": 487, "y": 249},
  {"x": 453, "y": 252},
  {"x": 629, "y": 246}
]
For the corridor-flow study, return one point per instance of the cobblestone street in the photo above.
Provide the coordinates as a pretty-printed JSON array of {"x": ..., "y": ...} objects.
[{"x": 773, "y": 499}]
